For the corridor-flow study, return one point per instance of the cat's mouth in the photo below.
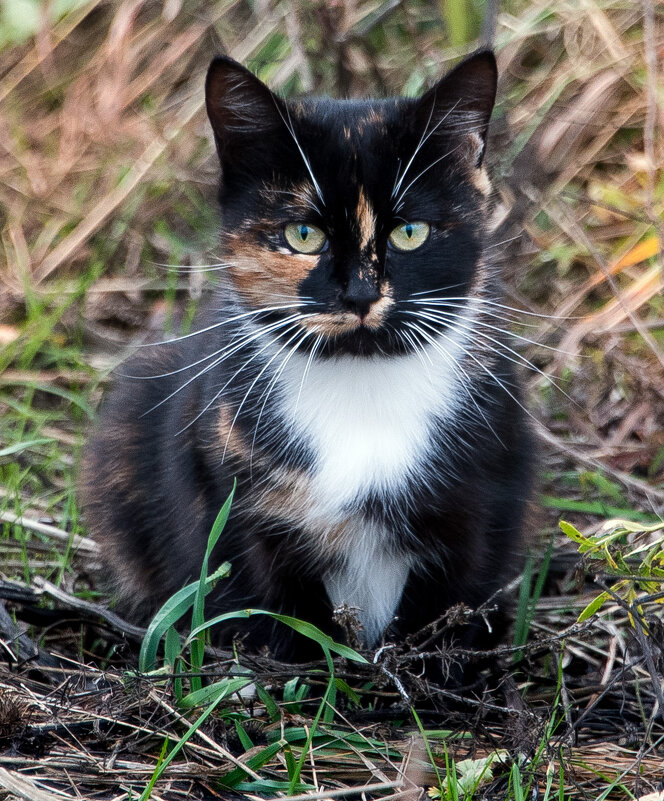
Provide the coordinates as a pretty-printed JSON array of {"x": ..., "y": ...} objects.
[{"x": 334, "y": 324}]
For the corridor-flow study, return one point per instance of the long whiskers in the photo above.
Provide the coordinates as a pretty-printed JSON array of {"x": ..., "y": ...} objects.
[
  {"x": 440, "y": 308},
  {"x": 275, "y": 378},
  {"x": 298, "y": 333},
  {"x": 486, "y": 301},
  {"x": 226, "y": 353},
  {"x": 502, "y": 384},
  {"x": 425, "y": 136},
  {"x": 471, "y": 324},
  {"x": 289, "y": 125},
  {"x": 457, "y": 368},
  {"x": 235, "y": 318},
  {"x": 193, "y": 268},
  {"x": 398, "y": 203},
  {"x": 241, "y": 369}
]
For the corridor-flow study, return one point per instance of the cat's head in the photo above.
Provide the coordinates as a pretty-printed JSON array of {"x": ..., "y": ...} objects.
[{"x": 338, "y": 215}]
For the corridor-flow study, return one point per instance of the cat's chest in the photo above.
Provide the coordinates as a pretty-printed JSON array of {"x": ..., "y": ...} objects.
[{"x": 368, "y": 422}]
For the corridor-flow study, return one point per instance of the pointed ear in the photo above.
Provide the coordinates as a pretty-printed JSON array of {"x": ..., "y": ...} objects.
[
  {"x": 241, "y": 108},
  {"x": 460, "y": 104}
]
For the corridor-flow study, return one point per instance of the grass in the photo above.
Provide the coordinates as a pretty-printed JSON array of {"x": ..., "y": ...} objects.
[{"x": 108, "y": 173}]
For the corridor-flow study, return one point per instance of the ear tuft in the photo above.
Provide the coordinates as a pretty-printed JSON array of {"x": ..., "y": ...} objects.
[
  {"x": 241, "y": 108},
  {"x": 460, "y": 104}
]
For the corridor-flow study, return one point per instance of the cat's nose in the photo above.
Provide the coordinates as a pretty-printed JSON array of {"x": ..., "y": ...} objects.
[{"x": 359, "y": 295}]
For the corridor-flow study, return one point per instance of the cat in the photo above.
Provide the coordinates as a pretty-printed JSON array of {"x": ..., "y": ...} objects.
[{"x": 351, "y": 371}]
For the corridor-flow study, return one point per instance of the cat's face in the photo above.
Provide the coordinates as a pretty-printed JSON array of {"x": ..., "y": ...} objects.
[{"x": 343, "y": 214}]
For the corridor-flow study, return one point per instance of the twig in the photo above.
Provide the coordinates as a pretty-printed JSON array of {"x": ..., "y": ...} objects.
[
  {"x": 23, "y": 787},
  {"x": 96, "y": 610},
  {"x": 204, "y": 737},
  {"x": 638, "y": 626},
  {"x": 85, "y": 544},
  {"x": 588, "y": 461},
  {"x": 342, "y": 792}
]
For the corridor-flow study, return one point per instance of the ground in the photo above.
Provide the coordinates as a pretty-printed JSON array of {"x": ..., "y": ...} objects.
[{"x": 107, "y": 201}]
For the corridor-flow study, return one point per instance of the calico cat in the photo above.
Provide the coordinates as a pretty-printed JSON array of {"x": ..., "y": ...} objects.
[{"x": 352, "y": 372}]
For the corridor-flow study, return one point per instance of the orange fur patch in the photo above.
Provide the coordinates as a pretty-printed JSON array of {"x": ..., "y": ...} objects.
[
  {"x": 480, "y": 180},
  {"x": 379, "y": 309},
  {"x": 231, "y": 441},
  {"x": 371, "y": 119},
  {"x": 366, "y": 220},
  {"x": 286, "y": 496},
  {"x": 265, "y": 277},
  {"x": 289, "y": 496}
]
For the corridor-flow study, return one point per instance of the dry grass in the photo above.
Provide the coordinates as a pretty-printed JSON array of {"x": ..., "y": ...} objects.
[{"x": 107, "y": 171}]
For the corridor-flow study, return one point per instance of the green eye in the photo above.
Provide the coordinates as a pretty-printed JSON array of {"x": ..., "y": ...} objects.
[
  {"x": 410, "y": 236},
  {"x": 304, "y": 238}
]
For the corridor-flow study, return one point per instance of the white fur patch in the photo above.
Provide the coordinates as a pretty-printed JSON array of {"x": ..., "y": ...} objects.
[
  {"x": 368, "y": 422},
  {"x": 371, "y": 580}
]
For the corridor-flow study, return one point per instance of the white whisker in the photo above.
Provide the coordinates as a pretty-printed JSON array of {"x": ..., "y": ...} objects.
[
  {"x": 399, "y": 201},
  {"x": 226, "y": 355},
  {"x": 253, "y": 384},
  {"x": 454, "y": 315},
  {"x": 488, "y": 302},
  {"x": 498, "y": 381},
  {"x": 469, "y": 324},
  {"x": 221, "y": 323},
  {"x": 289, "y": 126},
  {"x": 241, "y": 369},
  {"x": 423, "y": 139},
  {"x": 273, "y": 383},
  {"x": 457, "y": 367}
]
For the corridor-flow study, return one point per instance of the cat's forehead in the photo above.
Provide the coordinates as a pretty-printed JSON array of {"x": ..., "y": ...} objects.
[
  {"x": 352, "y": 149},
  {"x": 349, "y": 120}
]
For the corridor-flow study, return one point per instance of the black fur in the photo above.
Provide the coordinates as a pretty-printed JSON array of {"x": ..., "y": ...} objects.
[{"x": 159, "y": 468}]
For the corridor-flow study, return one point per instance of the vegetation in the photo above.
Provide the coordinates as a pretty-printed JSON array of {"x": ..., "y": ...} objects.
[{"x": 107, "y": 217}]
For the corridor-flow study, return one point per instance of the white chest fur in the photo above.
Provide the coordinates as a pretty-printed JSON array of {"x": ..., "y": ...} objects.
[
  {"x": 368, "y": 422},
  {"x": 371, "y": 581}
]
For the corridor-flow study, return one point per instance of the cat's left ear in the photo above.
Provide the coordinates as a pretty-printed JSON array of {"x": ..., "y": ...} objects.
[
  {"x": 459, "y": 106},
  {"x": 243, "y": 112}
]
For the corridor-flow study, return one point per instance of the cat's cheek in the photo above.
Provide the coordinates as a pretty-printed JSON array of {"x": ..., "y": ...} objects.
[{"x": 265, "y": 277}]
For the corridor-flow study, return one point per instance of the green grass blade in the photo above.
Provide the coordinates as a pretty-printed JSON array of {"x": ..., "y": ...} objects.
[
  {"x": 178, "y": 747},
  {"x": 214, "y": 692},
  {"x": 270, "y": 787},
  {"x": 270, "y": 704},
  {"x": 160, "y": 761},
  {"x": 242, "y": 736},
  {"x": 172, "y": 610},
  {"x": 327, "y": 703},
  {"x": 18, "y": 447},
  {"x": 522, "y": 605},
  {"x": 197, "y": 648},
  {"x": 302, "y": 627},
  {"x": 429, "y": 751},
  {"x": 253, "y": 763},
  {"x": 595, "y": 508}
]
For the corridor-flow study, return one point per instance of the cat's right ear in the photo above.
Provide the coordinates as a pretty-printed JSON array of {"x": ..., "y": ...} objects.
[
  {"x": 459, "y": 106},
  {"x": 241, "y": 108}
]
